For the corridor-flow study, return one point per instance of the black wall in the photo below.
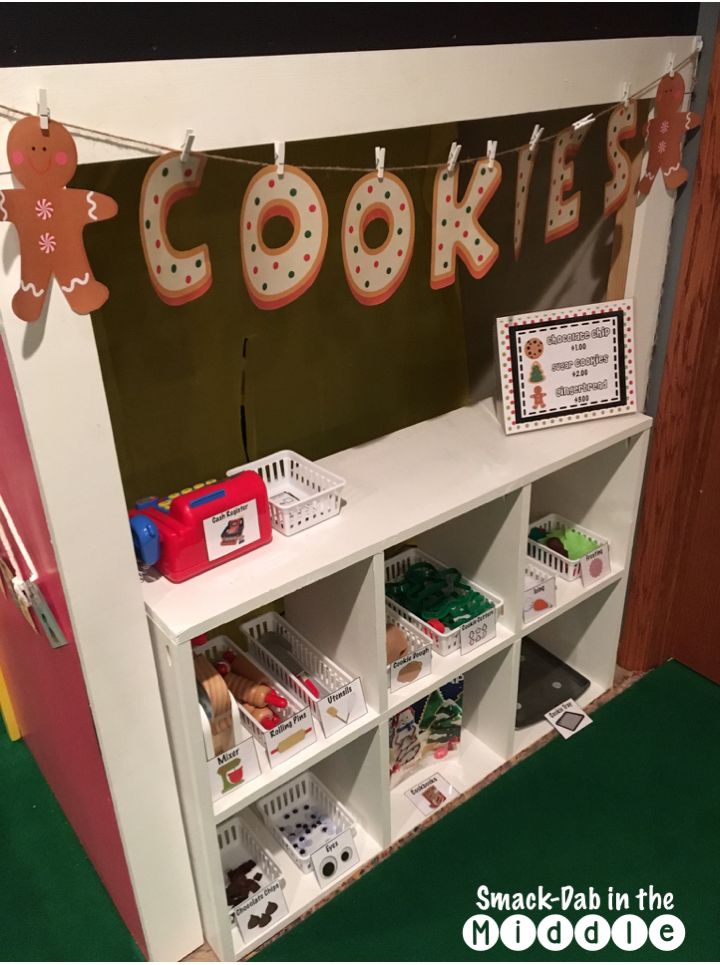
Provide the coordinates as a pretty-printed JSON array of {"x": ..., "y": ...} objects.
[{"x": 49, "y": 33}]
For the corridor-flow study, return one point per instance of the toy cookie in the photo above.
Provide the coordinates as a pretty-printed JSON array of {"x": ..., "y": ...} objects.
[
  {"x": 50, "y": 218},
  {"x": 665, "y": 134}
]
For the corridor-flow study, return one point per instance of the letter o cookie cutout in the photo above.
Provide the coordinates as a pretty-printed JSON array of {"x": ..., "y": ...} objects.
[
  {"x": 277, "y": 276},
  {"x": 374, "y": 274}
]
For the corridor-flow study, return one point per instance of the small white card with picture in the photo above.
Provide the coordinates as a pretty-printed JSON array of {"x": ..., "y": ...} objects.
[{"x": 565, "y": 365}]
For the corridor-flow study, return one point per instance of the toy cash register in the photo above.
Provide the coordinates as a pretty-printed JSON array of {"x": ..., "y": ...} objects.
[{"x": 201, "y": 527}]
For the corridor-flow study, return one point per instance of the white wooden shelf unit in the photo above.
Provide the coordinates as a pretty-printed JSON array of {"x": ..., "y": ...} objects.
[{"x": 471, "y": 507}]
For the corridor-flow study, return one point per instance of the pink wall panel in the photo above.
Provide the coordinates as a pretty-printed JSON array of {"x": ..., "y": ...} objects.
[{"x": 47, "y": 686}]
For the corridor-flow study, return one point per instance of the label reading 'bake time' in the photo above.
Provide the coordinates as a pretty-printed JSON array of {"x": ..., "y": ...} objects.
[{"x": 231, "y": 529}]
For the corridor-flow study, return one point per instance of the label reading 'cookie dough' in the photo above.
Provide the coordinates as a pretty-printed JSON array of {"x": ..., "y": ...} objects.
[{"x": 412, "y": 666}]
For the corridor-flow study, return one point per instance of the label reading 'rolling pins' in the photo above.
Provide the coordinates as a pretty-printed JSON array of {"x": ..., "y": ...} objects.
[{"x": 290, "y": 737}]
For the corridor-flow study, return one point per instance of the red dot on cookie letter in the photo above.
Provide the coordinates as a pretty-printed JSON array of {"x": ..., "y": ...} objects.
[
  {"x": 312, "y": 208},
  {"x": 350, "y": 229},
  {"x": 402, "y": 206},
  {"x": 306, "y": 257},
  {"x": 357, "y": 270},
  {"x": 158, "y": 269},
  {"x": 370, "y": 188},
  {"x": 188, "y": 172},
  {"x": 276, "y": 265},
  {"x": 399, "y": 252},
  {"x": 447, "y": 198},
  {"x": 271, "y": 183},
  {"x": 249, "y": 225},
  {"x": 375, "y": 264},
  {"x": 157, "y": 243},
  {"x": 155, "y": 199},
  {"x": 187, "y": 279},
  {"x": 255, "y": 270}
]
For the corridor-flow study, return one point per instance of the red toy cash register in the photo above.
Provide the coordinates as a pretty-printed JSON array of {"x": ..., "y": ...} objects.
[{"x": 202, "y": 526}]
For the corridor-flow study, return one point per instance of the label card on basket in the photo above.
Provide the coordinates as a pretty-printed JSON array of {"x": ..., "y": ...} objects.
[
  {"x": 288, "y": 738},
  {"x": 478, "y": 631},
  {"x": 412, "y": 666},
  {"x": 596, "y": 565},
  {"x": 334, "y": 858},
  {"x": 232, "y": 768},
  {"x": 567, "y": 364},
  {"x": 261, "y": 911},
  {"x": 342, "y": 707}
]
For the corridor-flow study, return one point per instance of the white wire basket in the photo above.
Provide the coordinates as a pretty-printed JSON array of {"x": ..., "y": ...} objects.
[
  {"x": 237, "y": 845},
  {"x": 418, "y": 653},
  {"x": 567, "y": 569},
  {"x": 293, "y": 814},
  {"x": 320, "y": 669},
  {"x": 270, "y": 739},
  {"x": 301, "y": 493},
  {"x": 443, "y": 643}
]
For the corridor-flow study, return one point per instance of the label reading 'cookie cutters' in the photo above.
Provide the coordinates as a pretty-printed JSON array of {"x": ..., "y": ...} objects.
[
  {"x": 341, "y": 707},
  {"x": 334, "y": 858},
  {"x": 412, "y": 666},
  {"x": 258, "y": 913},
  {"x": 478, "y": 631},
  {"x": 289, "y": 737}
]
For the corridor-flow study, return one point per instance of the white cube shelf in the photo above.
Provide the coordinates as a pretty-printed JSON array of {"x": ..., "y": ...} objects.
[{"x": 330, "y": 582}]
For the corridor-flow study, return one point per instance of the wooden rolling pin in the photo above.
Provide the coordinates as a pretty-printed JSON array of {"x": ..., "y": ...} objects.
[
  {"x": 221, "y": 722},
  {"x": 243, "y": 670},
  {"x": 263, "y": 715}
]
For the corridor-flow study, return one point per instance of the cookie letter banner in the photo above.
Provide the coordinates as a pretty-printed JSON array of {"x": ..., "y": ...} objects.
[
  {"x": 50, "y": 218},
  {"x": 177, "y": 276},
  {"x": 622, "y": 125},
  {"x": 277, "y": 276},
  {"x": 565, "y": 365},
  {"x": 374, "y": 274},
  {"x": 456, "y": 225},
  {"x": 563, "y": 214}
]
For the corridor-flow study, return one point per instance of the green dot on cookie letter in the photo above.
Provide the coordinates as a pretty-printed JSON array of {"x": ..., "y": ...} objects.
[
  {"x": 198, "y": 263},
  {"x": 293, "y": 192},
  {"x": 308, "y": 234},
  {"x": 164, "y": 172},
  {"x": 387, "y": 194},
  {"x": 291, "y": 274},
  {"x": 173, "y": 268},
  {"x": 147, "y": 224}
]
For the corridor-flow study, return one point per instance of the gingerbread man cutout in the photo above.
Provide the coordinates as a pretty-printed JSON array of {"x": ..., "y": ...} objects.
[
  {"x": 50, "y": 218},
  {"x": 665, "y": 133}
]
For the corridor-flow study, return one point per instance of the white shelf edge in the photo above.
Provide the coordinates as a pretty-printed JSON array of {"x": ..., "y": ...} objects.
[
  {"x": 331, "y": 551},
  {"x": 570, "y": 593},
  {"x": 449, "y": 667},
  {"x": 270, "y": 778}
]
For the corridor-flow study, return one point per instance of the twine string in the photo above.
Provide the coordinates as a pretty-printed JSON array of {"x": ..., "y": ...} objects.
[{"x": 149, "y": 147}]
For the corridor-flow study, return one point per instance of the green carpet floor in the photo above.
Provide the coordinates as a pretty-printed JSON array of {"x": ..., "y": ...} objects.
[
  {"x": 632, "y": 800},
  {"x": 53, "y": 906}
]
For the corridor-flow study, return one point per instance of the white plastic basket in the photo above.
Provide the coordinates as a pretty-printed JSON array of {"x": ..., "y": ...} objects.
[
  {"x": 268, "y": 739},
  {"x": 539, "y": 590},
  {"x": 320, "y": 668},
  {"x": 288, "y": 810},
  {"x": 443, "y": 643},
  {"x": 567, "y": 569},
  {"x": 419, "y": 644},
  {"x": 301, "y": 493},
  {"x": 237, "y": 845}
]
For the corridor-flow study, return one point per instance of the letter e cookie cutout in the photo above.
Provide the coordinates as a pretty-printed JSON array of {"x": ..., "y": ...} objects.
[{"x": 50, "y": 218}]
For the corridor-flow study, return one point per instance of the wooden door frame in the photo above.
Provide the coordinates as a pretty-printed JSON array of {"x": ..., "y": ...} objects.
[{"x": 687, "y": 420}]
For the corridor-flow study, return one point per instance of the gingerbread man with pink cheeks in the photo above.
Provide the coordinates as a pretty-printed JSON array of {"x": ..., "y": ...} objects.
[
  {"x": 665, "y": 134},
  {"x": 50, "y": 218}
]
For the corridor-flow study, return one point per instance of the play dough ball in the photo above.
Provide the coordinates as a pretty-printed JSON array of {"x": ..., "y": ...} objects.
[{"x": 396, "y": 643}]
